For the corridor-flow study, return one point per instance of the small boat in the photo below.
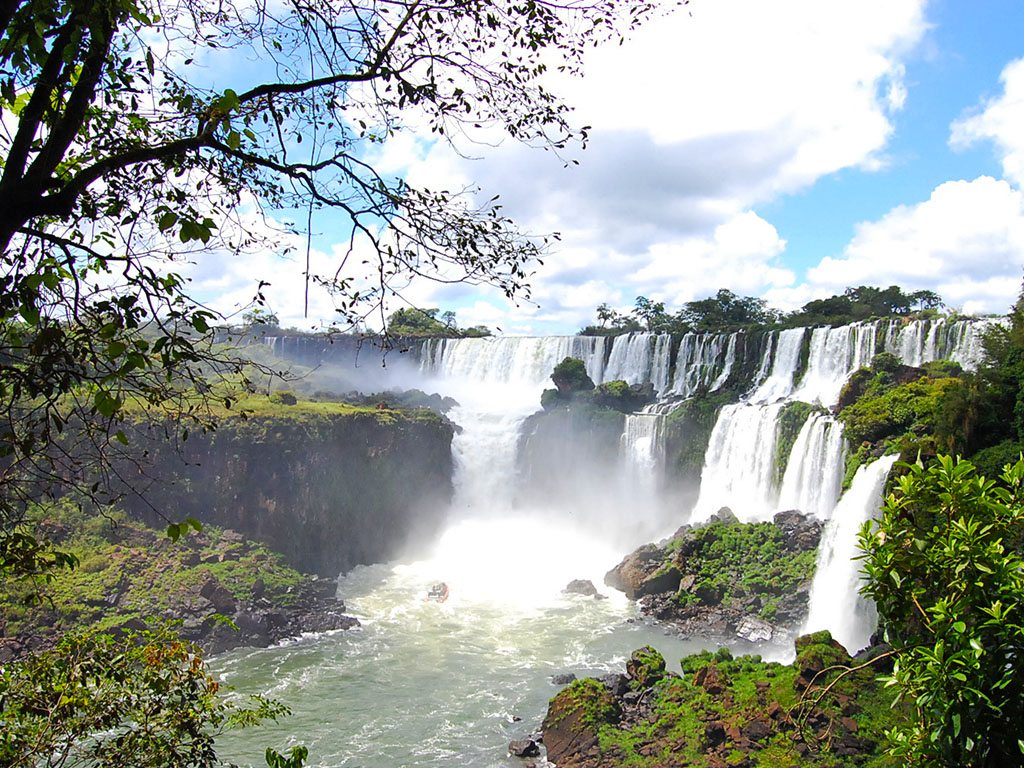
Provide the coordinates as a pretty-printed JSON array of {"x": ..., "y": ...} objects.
[{"x": 438, "y": 592}]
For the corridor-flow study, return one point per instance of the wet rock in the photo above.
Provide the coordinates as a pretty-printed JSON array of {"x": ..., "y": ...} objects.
[
  {"x": 563, "y": 678},
  {"x": 218, "y": 595},
  {"x": 754, "y": 629},
  {"x": 583, "y": 587},
  {"x": 573, "y": 717},
  {"x": 617, "y": 683},
  {"x": 714, "y": 734},
  {"x": 524, "y": 748},
  {"x": 644, "y": 572}
]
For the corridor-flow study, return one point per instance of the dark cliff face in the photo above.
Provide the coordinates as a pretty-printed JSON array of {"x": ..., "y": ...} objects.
[{"x": 329, "y": 492}]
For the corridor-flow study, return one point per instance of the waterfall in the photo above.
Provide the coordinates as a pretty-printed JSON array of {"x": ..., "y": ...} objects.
[
  {"x": 661, "y": 363},
  {"x": 630, "y": 359},
  {"x": 779, "y": 382},
  {"x": 835, "y": 601},
  {"x": 730, "y": 359},
  {"x": 523, "y": 360},
  {"x": 814, "y": 473},
  {"x": 642, "y": 448},
  {"x": 739, "y": 466},
  {"x": 700, "y": 362},
  {"x": 921, "y": 341},
  {"x": 835, "y": 354}
]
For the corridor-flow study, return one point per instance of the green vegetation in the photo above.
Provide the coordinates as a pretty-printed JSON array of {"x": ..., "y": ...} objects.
[
  {"x": 944, "y": 568},
  {"x": 894, "y": 411},
  {"x": 739, "y": 564},
  {"x": 128, "y": 571},
  {"x": 737, "y": 711},
  {"x": 791, "y": 420},
  {"x": 425, "y": 322},
  {"x": 726, "y": 312},
  {"x": 576, "y": 388},
  {"x": 138, "y": 700},
  {"x": 570, "y": 376}
]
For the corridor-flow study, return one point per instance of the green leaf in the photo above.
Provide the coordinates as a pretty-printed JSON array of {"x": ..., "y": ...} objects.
[
  {"x": 29, "y": 313},
  {"x": 959, "y": 626},
  {"x": 121, "y": 437},
  {"x": 167, "y": 221}
]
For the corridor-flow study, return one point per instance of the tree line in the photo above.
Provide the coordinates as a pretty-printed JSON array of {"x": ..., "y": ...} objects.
[{"x": 726, "y": 312}]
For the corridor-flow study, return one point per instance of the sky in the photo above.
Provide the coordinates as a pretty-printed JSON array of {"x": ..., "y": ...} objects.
[{"x": 782, "y": 149}]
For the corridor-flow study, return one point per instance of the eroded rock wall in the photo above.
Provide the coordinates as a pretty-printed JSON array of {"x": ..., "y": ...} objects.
[{"x": 328, "y": 491}]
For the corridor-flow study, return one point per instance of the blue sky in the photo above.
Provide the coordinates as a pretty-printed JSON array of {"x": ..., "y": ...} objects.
[{"x": 784, "y": 149}]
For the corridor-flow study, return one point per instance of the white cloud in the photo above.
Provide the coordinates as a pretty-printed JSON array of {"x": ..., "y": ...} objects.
[
  {"x": 1002, "y": 121},
  {"x": 700, "y": 118},
  {"x": 966, "y": 242}
]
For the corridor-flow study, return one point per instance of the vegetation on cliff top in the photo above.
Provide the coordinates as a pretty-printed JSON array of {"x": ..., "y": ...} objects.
[{"x": 726, "y": 312}]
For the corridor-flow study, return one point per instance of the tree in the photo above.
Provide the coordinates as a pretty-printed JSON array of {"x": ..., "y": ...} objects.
[
  {"x": 725, "y": 311},
  {"x": 143, "y": 700},
  {"x": 944, "y": 567},
  {"x": 650, "y": 313},
  {"x": 120, "y": 157}
]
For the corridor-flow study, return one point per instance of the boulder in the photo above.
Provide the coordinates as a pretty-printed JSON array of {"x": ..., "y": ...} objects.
[
  {"x": 644, "y": 572},
  {"x": 219, "y": 595},
  {"x": 524, "y": 748},
  {"x": 583, "y": 587},
  {"x": 754, "y": 629},
  {"x": 573, "y": 718}
]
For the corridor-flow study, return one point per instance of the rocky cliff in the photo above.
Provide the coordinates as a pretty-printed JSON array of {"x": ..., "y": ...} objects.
[{"x": 328, "y": 487}]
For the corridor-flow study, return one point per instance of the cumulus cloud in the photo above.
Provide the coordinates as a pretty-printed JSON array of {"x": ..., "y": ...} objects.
[
  {"x": 966, "y": 242},
  {"x": 1001, "y": 120},
  {"x": 697, "y": 120}
]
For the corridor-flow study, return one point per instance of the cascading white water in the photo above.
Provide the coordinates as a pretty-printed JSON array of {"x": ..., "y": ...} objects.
[
  {"x": 835, "y": 353},
  {"x": 779, "y": 383},
  {"x": 643, "y": 450},
  {"x": 730, "y": 359},
  {"x": 630, "y": 359},
  {"x": 739, "y": 466},
  {"x": 661, "y": 364},
  {"x": 814, "y": 472},
  {"x": 835, "y": 600},
  {"x": 700, "y": 361}
]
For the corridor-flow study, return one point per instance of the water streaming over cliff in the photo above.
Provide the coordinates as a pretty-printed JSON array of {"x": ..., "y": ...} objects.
[
  {"x": 835, "y": 603},
  {"x": 423, "y": 684}
]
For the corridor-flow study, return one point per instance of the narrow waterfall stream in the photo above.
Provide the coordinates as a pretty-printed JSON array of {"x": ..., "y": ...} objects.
[{"x": 428, "y": 684}]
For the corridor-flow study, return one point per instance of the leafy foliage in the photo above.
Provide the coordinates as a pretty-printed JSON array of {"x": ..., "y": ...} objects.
[
  {"x": 140, "y": 699},
  {"x": 425, "y": 322},
  {"x": 945, "y": 570},
  {"x": 571, "y": 375}
]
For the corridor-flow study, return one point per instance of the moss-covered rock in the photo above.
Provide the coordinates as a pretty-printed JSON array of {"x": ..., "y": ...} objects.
[
  {"x": 791, "y": 420},
  {"x": 574, "y": 718},
  {"x": 128, "y": 573},
  {"x": 725, "y": 574},
  {"x": 727, "y": 711},
  {"x": 570, "y": 376}
]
